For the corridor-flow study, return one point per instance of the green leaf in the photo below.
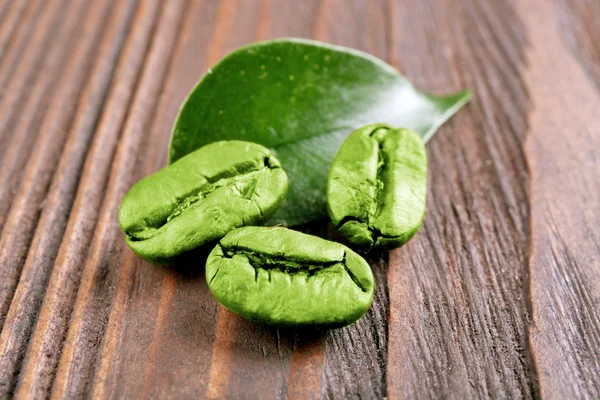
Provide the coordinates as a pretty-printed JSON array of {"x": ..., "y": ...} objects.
[{"x": 302, "y": 98}]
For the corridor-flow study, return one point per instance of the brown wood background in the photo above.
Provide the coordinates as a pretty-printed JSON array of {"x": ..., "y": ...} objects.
[{"x": 498, "y": 296}]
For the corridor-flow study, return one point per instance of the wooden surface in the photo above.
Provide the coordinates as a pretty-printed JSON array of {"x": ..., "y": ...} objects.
[{"x": 497, "y": 296}]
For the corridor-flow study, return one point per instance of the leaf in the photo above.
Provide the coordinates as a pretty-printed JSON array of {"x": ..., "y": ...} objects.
[{"x": 302, "y": 98}]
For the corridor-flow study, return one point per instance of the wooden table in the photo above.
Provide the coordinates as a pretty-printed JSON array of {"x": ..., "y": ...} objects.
[{"x": 497, "y": 296}]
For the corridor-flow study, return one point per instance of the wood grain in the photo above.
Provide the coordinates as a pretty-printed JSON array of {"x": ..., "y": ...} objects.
[
  {"x": 14, "y": 33},
  {"x": 562, "y": 148},
  {"x": 19, "y": 229},
  {"x": 18, "y": 133},
  {"x": 459, "y": 310},
  {"x": 497, "y": 296},
  {"x": 38, "y": 372}
]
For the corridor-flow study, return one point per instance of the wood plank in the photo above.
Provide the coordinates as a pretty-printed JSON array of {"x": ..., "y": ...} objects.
[
  {"x": 4, "y": 9},
  {"x": 316, "y": 355},
  {"x": 16, "y": 238},
  {"x": 580, "y": 32},
  {"x": 355, "y": 357},
  {"x": 25, "y": 134},
  {"x": 95, "y": 295},
  {"x": 13, "y": 32},
  {"x": 39, "y": 370},
  {"x": 163, "y": 336},
  {"x": 497, "y": 296},
  {"x": 247, "y": 360},
  {"x": 459, "y": 310},
  {"x": 15, "y": 132},
  {"x": 563, "y": 153}
]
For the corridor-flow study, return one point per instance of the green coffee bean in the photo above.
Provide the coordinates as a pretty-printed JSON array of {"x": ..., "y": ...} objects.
[
  {"x": 279, "y": 276},
  {"x": 201, "y": 197},
  {"x": 377, "y": 187}
]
